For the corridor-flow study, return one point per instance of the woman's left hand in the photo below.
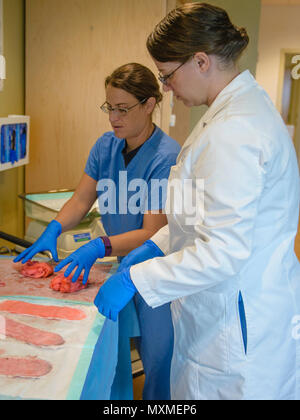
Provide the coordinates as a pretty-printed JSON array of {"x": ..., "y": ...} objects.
[
  {"x": 114, "y": 294},
  {"x": 83, "y": 258}
]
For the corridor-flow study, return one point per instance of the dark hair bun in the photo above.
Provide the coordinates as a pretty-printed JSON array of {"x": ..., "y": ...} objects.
[
  {"x": 196, "y": 27},
  {"x": 237, "y": 40}
]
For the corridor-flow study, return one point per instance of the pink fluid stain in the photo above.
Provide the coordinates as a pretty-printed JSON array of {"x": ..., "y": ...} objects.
[
  {"x": 24, "y": 367},
  {"x": 42, "y": 311}
]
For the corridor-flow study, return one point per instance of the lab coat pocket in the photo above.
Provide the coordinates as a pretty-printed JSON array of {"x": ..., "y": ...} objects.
[
  {"x": 205, "y": 341},
  {"x": 243, "y": 321}
]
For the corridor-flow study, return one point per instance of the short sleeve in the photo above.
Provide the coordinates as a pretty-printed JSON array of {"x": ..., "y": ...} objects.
[{"x": 93, "y": 163}]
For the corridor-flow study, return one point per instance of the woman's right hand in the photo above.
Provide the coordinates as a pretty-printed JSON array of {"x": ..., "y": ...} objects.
[
  {"x": 46, "y": 242},
  {"x": 143, "y": 253}
]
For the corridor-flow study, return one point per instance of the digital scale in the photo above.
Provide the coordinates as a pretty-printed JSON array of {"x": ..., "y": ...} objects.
[{"x": 42, "y": 208}]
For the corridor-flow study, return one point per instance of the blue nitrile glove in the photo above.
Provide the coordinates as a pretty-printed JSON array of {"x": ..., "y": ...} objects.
[
  {"x": 114, "y": 295},
  {"x": 83, "y": 258},
  {"x": 145, "y": 252},
  {"x": 46, "y": 242}
]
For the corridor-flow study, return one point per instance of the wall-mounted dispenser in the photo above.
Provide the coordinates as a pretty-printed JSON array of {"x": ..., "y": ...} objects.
[{"x": 14, "y": 141}]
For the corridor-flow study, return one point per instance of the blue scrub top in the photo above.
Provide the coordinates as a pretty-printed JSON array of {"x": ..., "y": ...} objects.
[{"x": 125, "y": 193}]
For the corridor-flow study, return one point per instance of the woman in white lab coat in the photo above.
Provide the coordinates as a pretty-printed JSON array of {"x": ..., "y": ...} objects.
[{"x": 229, "y": 265}]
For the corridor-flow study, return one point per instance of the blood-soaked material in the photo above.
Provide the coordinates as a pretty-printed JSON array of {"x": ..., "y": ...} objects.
[
  {"x": 13, "y": 283},
  {"x": 63, "y": 284},
  {"x": 29, "y": 335},
  {"x": 42, "y": 311},
  {"x": 24, "y": 367},
  {"x": 36, "y": 269}
]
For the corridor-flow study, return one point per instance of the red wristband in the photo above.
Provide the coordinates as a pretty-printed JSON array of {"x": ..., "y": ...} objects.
[{"x": 107, "y": 244}]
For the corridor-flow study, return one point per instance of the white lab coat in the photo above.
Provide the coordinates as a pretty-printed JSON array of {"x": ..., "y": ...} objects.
[{"x": 242, "y": 244}]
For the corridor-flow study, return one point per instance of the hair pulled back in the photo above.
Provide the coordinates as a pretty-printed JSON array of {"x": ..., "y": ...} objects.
[
  {"x": 136, "y": 79},
  {"x": 197, "y": 27}
]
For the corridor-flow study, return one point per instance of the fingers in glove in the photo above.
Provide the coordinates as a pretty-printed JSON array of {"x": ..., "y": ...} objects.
[
  {"x": 54, "y": 254},
  {"x": 101, "y": 310},
  {"x": 71, "y": 268},
  {"x": 105, "y": 311},
  {"x": 30, "y": 254},
  {"x": 62, "y": 264},
  {"x": 98, "y": 298},
  {"x": 76, "y": 274},
  {"x": 86, "y": 275},
  {"x": 113, "y": 315},
  {"x": 22, "y": 255}
]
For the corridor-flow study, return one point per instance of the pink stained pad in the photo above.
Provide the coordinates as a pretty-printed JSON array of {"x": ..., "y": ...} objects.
[
  {"x": 29, "y": 335},
  {"x": 24, "y": 367},
  {"x": 42, "y": 311}
]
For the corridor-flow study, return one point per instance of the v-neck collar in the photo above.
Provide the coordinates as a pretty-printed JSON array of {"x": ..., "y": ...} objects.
[
  {"x": 128, "y": 156},
  {"x": 146, "y": 144}
]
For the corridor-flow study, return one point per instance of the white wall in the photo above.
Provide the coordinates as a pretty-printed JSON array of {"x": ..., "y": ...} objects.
[
  {"x": 245, "y": 13},
  {"x": 279, "y": 29}
]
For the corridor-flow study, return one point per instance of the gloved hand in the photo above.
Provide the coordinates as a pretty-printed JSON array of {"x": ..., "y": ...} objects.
[
  {"x": 46, "y": 242},
  {"x": 114, "y": 295},
  {"x": 83, "y": 258},
  {"x": 145, "y": 252}
]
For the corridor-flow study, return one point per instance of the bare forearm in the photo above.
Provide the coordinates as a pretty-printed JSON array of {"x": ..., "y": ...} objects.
[
  {"x": 79, "y": 205},
  {"x": 124, "y": 243},
  {"x": 71, "y": 214}
]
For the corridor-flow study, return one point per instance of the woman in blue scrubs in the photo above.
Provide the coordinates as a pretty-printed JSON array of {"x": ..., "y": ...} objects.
[{"x": 127, "y": 170}]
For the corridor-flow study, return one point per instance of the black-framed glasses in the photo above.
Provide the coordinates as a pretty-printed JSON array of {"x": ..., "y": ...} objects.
[
  {"x": 164, "y": 79},
  {"x": 120, "y": 111}
]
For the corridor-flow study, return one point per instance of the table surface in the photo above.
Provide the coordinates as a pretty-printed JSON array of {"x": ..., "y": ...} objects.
[
  {"x": 89, "y": 346},
  {"x": 13, "y": 283}
]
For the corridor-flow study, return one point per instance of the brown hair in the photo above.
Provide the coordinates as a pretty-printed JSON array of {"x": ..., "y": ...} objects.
[
  {"x": 197, "y": 27},
  {"x": 136, "y": 79}
]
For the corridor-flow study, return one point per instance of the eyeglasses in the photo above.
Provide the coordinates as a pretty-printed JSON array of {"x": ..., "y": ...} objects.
[
  {"x": 164, "y": 79},
  {"x": 120, "y": 111}
]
